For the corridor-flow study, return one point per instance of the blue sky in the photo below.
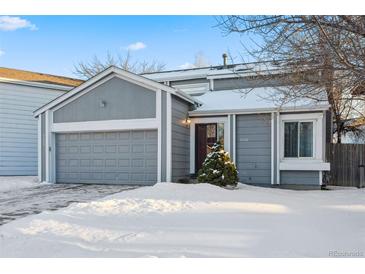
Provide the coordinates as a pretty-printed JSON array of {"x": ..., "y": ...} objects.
[{"x": 54, "y": 44}]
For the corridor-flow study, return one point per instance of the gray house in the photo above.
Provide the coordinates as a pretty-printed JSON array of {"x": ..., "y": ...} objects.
[
  {"x": 20, "y": 93},
  {"x": 123, "y": 128}
]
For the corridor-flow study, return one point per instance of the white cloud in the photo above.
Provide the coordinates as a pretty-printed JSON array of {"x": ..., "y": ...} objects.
[
  {"x": 10, "y": 23},
  {"x": 136, "y": 46},
  {"x": 187, "y": 65},
  {"x": 2, "y": 52}
]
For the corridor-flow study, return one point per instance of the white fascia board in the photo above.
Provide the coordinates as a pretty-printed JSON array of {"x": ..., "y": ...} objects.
[
  {"x": 106, "y": 125},
  {"x": 226, "y": 76},
  {"x": 257, "y": 110},
  {"x": 35, "y": 84},
  {"x": 125, "y": 75},
  {"x": 176, "y": 76},
  {"x": 302, "y": 165}
]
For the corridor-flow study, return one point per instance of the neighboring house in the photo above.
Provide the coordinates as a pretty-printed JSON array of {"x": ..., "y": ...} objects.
[
  {"x": 20, "y": 93},
  {"x": 123, "y": 128}
]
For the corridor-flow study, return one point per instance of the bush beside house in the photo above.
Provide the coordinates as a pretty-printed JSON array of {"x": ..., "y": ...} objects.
[{"x": 218, "y": 169}]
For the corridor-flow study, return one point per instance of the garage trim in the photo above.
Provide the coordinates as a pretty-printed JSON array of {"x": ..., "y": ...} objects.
[{"x": 106, "y": 125}]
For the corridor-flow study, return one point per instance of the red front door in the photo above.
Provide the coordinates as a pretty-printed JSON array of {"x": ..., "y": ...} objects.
[{"x": 205, "y": 138}]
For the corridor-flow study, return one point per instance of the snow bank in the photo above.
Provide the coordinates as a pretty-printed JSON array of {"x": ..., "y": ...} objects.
[
  {"x": 177, "y": 220},
  {"x": 8, "y": 183}
]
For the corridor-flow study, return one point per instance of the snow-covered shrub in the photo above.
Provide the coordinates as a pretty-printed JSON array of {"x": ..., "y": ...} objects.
[{"x": 218, "y": 169}]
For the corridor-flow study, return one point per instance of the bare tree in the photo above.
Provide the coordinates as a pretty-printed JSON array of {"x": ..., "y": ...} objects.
[
  {"x": 90, "y": 68},
  {"x": 323, "y": 58}
]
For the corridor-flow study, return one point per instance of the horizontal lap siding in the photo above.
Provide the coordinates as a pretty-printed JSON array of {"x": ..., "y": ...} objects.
[
  {"x": 115, "y": 99},
  {"x": 180, "y": 139},
  {"x": 18, "y": 127},
  {"x": 291, "y": 177},
  {"x": 253, "y": 148}
]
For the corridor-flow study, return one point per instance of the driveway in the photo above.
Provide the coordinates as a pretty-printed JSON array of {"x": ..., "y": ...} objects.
[{"x": 19, "y": 203}]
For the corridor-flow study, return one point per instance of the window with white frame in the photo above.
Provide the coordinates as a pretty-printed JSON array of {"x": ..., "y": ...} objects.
[{"x": 298, "y": 139}]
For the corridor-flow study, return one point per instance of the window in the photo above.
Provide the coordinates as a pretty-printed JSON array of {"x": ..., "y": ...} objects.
[{"x": 298, "y": 139}]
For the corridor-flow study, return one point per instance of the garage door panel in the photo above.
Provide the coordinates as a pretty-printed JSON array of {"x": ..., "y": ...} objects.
[{"x": 128, "y": 157}]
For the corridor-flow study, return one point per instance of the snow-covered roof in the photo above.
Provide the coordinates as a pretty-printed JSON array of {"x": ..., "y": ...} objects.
[
  {"x": 233, "y": 70},
  {"x": 250, "y": 100}
]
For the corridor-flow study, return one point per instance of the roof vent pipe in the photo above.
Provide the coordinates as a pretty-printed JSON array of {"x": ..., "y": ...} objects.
[{"x": 225, "y": 60}]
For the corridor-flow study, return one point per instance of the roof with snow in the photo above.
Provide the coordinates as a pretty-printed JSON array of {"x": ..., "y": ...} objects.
[
  {"x": 252, "y": 100},
  {"x": 235, "y": 70}
]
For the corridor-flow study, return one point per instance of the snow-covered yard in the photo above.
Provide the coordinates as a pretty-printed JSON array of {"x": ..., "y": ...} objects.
[{"x": 175, "y": 220}]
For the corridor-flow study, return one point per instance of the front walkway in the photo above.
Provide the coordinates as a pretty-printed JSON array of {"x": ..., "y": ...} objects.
[{"x": 18, "y": 203}]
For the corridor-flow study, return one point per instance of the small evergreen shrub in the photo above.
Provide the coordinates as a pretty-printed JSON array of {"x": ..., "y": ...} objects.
[{"x": 218, "y": 168}]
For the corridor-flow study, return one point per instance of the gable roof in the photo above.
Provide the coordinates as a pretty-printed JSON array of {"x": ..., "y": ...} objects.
[
  {"x": 123, "y": 74},
  {"x": 37, "y": 77}
]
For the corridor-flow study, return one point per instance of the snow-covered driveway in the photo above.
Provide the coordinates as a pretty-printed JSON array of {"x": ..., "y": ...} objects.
[
  {"x": 17, "y": 202},
  {"x": 176, "y": 220}
]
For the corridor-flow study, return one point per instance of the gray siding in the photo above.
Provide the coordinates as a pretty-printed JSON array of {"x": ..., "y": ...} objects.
[
  {"x": 180, "y": 139},
  {"x": 241, "y": 83},
  {"x": 289, "y": 177},
  {"x": 126, "y": 157},
  {"x": 18, "y": 127},
  {"x": 123, "y": 100},
  {"x": 253, "y": 144}
]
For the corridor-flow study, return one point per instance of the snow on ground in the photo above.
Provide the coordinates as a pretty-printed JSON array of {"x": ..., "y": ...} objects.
[
  {"x": 176, "y": 220},
  {"x": 8, "y": 183}
]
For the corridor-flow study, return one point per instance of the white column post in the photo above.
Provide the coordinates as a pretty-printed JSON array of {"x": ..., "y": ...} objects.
[
  {"x": 39, "y": 148},
  {"x": 168, "y": 138},
  {"x": 278, "y": 149},
  {"x": 159, "y": 136}
]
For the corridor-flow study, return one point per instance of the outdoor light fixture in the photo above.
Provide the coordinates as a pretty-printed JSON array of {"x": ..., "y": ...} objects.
[
  {"x": 187, "y": 121},
  {"x": 102, "y": 104}
]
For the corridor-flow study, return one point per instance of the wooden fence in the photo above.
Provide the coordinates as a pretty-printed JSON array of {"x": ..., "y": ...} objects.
[{"x": 347, "y": 164}]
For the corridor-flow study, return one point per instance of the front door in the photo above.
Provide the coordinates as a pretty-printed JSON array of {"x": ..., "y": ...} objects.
[{"x": 206, "y": 135}]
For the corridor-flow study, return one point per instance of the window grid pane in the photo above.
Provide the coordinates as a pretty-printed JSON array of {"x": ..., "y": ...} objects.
[
  {"x": 291, "y": 139},
  {"x": 306, "y": 139}
]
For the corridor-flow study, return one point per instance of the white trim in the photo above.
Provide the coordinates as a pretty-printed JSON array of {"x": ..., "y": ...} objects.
[
  {"x": 35, "y": 84},
  {"x": 317, "y": 161},
  {"x": 320, "y": 178},
  {"x": 162, "y": 76},
  {"x": 278, "y": 148},
  {"x": 257, "y": 110},
  {"x": 211, "y": 84},
  {"x": 316, "y": 119},
  {"x": 196, "y": 88},
  {"x": 234, "y": 139},
  {"x": 207, "y": 120},
  {"x": 125, "y": 75},
  {"x": 305, "y": 165},
  {"x": 39, "y": 148},
  {"x": 168, "y": 137},
  {"x": 272, "y": 147},
  {"x": 226, "y": 76},
  {"x": 53, "y": 157},
  {"x": 47, "y": 135},
  {"x": 159, "y": 134},
  {"x": 229, "y": 128},
  {"x": 106, "y": 125},
  {"x": 192, "y": 147}
]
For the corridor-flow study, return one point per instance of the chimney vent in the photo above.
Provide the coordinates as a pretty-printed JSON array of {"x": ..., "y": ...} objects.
[{"x": 225, "y": 58}]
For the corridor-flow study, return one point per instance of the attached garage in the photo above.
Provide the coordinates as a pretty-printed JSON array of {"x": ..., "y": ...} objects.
[
  {"x": 115, "y": 128},
  {"x": 125, "y": 157}
]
